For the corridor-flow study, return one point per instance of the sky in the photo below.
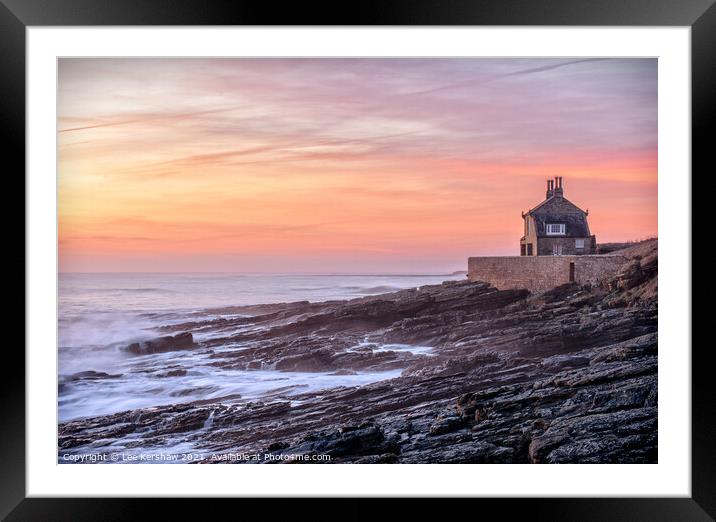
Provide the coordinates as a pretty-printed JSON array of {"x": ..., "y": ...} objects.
[{"x": 317, "y": 165}]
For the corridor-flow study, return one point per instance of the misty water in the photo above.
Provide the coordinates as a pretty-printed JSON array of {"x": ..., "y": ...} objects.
[{"x": 100, "y": 314}]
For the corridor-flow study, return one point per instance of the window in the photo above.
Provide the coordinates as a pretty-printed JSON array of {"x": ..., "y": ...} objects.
[
  {"x": 523, "y": 251},
  {"x": 555, "y": 229},
  {"x": 556, "y": 250},
  {"x": 529, "y": 249},
  {"x": 579, "y": 243}
]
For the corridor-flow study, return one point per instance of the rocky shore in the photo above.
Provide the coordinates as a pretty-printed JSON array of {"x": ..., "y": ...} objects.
[{"x": 565, "y": 376}]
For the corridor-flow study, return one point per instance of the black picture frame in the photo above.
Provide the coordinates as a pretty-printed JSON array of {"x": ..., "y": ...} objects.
[{"x": 699, "y": 15}]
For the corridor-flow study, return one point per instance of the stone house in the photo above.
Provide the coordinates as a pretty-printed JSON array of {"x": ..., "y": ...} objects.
[{"x": 556, "y": 226}]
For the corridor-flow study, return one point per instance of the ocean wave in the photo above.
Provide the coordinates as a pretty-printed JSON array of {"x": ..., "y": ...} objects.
[
  {"x": 135, "y": 290},
  {"x": 310, "y": 288},
  {"x": 380, "y": 289}
]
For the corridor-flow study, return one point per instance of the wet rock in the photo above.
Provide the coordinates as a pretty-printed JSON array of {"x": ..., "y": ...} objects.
[
  {"x": 172, "y": 373},
  {"x": 182, "y": 341},
  {"x": 276, "y": 446},
  {"x": 365, "y": 439},
  {"x": 316, "y": 360},
  {"x": 625, "y": 436},
  {"x": 385, "y": 458},
  {"x": 191, "y": 420},
  {"x": 446, "y": 424},
  {"x": 92, "y": 375}
]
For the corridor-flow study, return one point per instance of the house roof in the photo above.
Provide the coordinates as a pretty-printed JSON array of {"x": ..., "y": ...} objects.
[
  {"x": 558, "y": 209},
  {"x": 575, "y": 224},
  {"x": 556, "y": 201},
  {"x": 533, "y": 209}
]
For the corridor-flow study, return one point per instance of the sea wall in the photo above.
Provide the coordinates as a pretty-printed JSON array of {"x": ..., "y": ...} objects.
[{"x": 539, "y": 273}]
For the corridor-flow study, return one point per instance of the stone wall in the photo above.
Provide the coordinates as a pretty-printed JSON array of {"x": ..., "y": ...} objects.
[
  {"x": 545, "y": 245},
  {"x": 539, "y": 273}
]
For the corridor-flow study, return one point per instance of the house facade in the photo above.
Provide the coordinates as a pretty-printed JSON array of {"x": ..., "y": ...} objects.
[{"x": 556, "y": 226}]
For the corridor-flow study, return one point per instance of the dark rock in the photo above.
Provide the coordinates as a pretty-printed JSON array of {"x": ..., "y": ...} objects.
[
  {"x": 182, "y": 341},
  {"x": 276, "y": 446},
  {"x": 92, "y": 375},
  {"x": 446, "y": 424},
  {"x": 191, "y": 420},
  {"x": 365, "y": 439},
  {"x": 385, "y": 458},
  {"x": 316, "y": 360},
  {"x": 173, "y": 373}
]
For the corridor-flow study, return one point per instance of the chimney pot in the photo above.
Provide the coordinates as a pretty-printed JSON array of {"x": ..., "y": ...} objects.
[
  {"x": 550, "y": 189},
  {"x": 558, "y": 186}
]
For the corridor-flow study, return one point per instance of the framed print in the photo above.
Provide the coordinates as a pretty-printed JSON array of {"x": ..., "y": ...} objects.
[{"x": 417, "y": 244}]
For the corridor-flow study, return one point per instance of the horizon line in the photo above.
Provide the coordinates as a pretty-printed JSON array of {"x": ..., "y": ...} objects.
[{"x": 403, "y": 274}]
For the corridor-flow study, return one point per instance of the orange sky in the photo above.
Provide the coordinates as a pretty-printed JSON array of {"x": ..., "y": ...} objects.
[{"x": 343, "y": 165}]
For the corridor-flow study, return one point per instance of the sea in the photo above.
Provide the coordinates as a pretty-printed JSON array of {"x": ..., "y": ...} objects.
[{"x": 101, "y": 313}]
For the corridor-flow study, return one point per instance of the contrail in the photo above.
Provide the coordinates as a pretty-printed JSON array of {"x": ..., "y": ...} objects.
[
  {"x": 153, "y": 117},
  {"x": 504, "y": 75}
]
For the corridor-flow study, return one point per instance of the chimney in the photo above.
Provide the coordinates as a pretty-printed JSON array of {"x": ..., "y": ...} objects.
[
  {"x": 550, "y": 189},
  {"x": 558, "y": 186}
]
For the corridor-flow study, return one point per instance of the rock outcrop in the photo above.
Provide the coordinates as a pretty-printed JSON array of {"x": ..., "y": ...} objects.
[
  {"x": 169, "y": 343},
  {"x": 564, "y": 376}
]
